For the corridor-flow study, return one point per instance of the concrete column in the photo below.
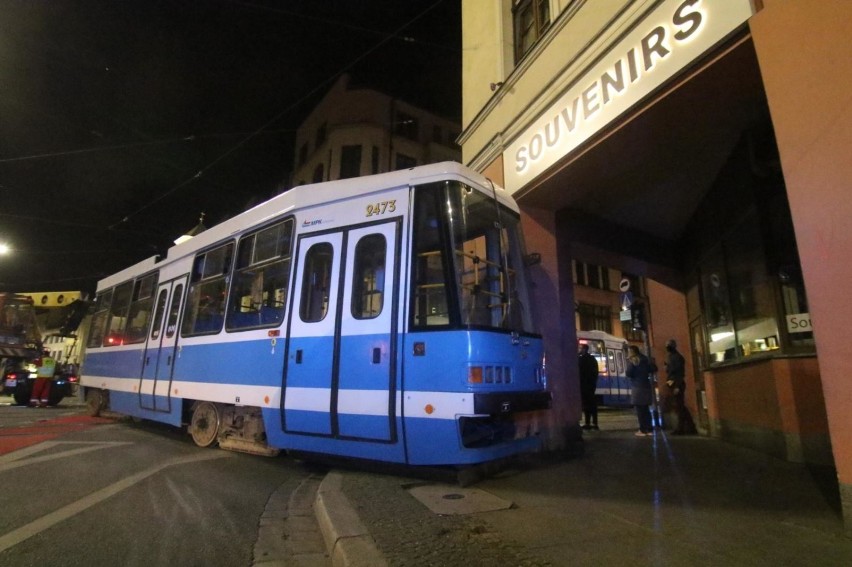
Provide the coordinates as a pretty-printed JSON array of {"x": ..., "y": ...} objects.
[{"x": 803, "y": 51}]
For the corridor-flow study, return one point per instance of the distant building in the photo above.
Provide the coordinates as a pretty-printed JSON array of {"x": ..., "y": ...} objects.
[
  {"x": 53, "y": 311},
  {"x": 356, "y": 131}
]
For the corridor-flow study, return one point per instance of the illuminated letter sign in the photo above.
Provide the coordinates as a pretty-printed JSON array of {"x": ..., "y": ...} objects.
[{"x": 672, "y": 36}]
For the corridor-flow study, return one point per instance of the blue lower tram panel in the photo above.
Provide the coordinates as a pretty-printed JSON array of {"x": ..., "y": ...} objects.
[{"x": 429, "y": 441}]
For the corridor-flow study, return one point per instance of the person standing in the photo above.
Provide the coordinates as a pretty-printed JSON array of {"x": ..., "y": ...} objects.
[
  {"x": 676, "y": 381},
  {"x": 41, "y": 389},
  {"x": 588, "y": 384},
  {"x": 641, "y": 395}
]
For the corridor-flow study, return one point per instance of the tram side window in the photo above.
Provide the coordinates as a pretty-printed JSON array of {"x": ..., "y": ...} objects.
[
  {"x": 479, "y": 247},
  {"x": 174, "y": 311},
  {"x": 316, "y": 283},
  {"x": 140, "y": 308},
  {"x": 118, "y": 315},
  {"x": 99, "y": 319},
  {"x": 158, "y": 314},
  {"x": 205, "y": 302},
  {"x": 430, "y": 302},
  {"x": 259, "y": 289},
  {"x": 368, "y": 281}
]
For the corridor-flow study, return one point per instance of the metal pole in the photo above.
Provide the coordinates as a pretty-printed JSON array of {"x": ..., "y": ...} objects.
[{"x": 657, "y": 419}]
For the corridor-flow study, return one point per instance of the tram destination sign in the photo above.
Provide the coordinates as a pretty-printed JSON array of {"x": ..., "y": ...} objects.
[{"x": 667, "y": 40}]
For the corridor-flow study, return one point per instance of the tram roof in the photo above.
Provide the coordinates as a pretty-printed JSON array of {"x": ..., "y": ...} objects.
[{"x": 312, "y": 195}]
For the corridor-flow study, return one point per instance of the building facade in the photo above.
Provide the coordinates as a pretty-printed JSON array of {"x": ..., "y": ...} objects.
[
  {"x": 359, "y": 131},
  {"x": 700, "y": 145}
]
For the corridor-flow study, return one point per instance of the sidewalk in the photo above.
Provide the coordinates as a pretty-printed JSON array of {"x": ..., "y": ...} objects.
[{"x": 641, "y": 501}]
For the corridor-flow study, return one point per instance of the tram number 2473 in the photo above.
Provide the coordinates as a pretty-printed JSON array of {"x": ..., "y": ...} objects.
[{"x": 381, "y": 208}]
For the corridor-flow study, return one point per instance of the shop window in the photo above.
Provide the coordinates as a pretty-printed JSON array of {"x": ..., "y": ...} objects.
[
  {"x": 739, "y": 296},
  {"x": 797, "y": 317},
  {"x": 595, "y": 317},
  {"x": 751, "y": 292},
  {"x": 350, "y": 162},
  {"x": 531, "y": 18}
]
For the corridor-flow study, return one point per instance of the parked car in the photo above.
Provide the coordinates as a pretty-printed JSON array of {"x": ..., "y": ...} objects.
[{"x": 18, "y": 383}]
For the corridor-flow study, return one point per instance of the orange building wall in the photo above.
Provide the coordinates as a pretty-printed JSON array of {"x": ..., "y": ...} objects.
[
  {"x": 772, "y": 405},
  {"x": 803, "y": 51},
  {"x": 669, "y": 321}
]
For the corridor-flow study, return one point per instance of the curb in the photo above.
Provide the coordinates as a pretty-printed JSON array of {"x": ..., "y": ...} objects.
[{"x": 348, "y": 542}]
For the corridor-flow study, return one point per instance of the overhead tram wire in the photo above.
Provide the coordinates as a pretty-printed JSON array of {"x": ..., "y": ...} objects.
[
  {"x": 347, "y": 25},
  {"x": 278, "y": 116}
]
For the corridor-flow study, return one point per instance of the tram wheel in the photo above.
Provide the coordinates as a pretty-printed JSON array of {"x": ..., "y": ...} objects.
[
  {"x": 95, "y": 402},
  {"x": 204, "y": 426}
]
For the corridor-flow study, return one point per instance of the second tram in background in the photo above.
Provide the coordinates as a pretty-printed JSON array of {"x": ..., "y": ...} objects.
[
  {"x": 384, "y": 317},
  {"x": 611, "y": 353}
]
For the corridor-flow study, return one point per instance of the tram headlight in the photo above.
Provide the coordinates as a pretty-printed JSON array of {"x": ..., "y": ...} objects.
[{"x": 474, "y": 375}]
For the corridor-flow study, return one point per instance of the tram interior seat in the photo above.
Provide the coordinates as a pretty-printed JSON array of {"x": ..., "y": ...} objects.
[
  {"x": 209, "y": 324},
  {"x": 271, "y": 314}
]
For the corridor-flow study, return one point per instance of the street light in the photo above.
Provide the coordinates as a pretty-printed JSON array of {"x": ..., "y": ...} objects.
[{"x": 4, "y": 248}]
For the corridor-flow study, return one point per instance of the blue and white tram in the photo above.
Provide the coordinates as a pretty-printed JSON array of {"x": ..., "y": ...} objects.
[
  {"x": 611, "y": 353},
  {"x": 384, "y": 317}
]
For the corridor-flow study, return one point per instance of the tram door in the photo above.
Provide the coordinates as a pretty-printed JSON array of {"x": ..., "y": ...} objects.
[
  {"x": 158, "y": 362},
  {"x": 340, "y": 355}
]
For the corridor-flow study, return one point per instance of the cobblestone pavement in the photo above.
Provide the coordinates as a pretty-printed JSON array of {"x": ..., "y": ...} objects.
[
  {"x": 411, "y": 535},
  {"x": 655, "y": 501}
]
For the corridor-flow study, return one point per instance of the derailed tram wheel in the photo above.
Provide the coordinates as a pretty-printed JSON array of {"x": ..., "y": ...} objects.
[
  {"x": 204, "y": 426},
  {"x": 95, "y": 402}
]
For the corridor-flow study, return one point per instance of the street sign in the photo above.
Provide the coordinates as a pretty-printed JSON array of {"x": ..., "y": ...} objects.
[
  {"x": 624, "y": 285},
  {"x": 626, "y": 300}
]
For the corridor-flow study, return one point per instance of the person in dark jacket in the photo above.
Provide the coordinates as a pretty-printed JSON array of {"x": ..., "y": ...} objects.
[
  {"x": 641, "y": 394},
  {"x": 588, "y": 384},
  {"x": 676, "y": 381}
]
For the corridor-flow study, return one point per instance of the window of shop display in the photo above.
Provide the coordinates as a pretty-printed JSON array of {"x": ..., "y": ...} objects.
[
  {"x": 751, "y": 292},
  {"x": 717, "y": 308},
  {"x": 739, "y": 297},
  {"x": 798, "y": 319}
]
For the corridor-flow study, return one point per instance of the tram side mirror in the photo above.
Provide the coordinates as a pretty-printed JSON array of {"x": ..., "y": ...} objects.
[{"x": 532, "y": 259}]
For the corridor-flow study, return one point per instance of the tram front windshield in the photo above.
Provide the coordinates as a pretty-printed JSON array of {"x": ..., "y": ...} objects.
[{"x": 468, "y": 268}]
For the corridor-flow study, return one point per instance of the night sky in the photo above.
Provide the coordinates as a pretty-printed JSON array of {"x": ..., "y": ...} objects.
[{"x": 121, "y": 121}]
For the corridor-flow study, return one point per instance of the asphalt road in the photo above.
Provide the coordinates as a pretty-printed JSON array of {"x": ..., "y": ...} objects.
[{"x": 84, "y": 491}]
